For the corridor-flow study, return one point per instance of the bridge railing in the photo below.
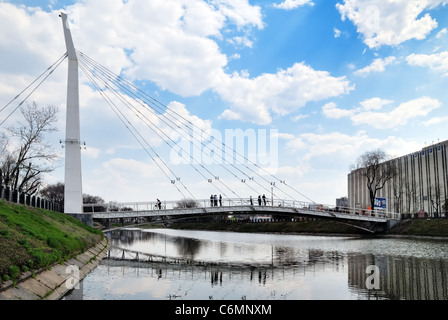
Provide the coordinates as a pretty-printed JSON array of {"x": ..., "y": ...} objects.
[
  {"x": 234, "y": 202},
  {"x": 201, "y": 203}
]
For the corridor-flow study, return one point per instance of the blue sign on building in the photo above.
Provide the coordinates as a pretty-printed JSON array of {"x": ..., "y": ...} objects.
[{"x": 380, "y": 203}]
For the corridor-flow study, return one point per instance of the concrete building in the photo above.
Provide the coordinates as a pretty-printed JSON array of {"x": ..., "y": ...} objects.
[
  {"x": 420, "y": 183},
  {"x": 342, "y": 202}
]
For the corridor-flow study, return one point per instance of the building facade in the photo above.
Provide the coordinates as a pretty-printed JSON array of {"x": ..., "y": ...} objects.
[
  {"x": 419, "y": 185},
  {"x": 342, "y": 202}
]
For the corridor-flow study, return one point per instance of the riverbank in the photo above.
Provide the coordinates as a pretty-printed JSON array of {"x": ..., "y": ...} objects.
[
  {"x": 408, "y": 228},
  {"x": 55, "y": 282},
  {"x": 33, "y": 241},
  {"x": 421, "y": 228}
]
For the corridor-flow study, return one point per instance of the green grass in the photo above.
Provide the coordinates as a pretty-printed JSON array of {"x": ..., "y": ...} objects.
[
  {"x": 422, "y": 227},
  {"x": 32, "y": 238}
]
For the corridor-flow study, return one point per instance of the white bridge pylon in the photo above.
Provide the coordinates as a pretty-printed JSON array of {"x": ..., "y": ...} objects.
[{"x": 73, "y": 175}]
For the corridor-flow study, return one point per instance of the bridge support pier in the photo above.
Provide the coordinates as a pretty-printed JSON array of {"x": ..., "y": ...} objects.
[
  {"x": 85, "y": 218},
  {"x": 390, "y": 224},
  {"x": 382, "y": 227}
]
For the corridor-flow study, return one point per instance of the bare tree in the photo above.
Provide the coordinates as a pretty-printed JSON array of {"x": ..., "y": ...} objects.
[
  {"x": 87, "y": 198},
  {"x": 187, "y": 203},
  {"x": 97, "y": 203},
  {"x": 54, "y": 192},
  {"x": 411, "y": 196},
  {"x": 377, "y": 171},
  {"x": 398, "y": 188},
  {"x": 435, "y": 198},
  {"x": 22, "y": 166}
]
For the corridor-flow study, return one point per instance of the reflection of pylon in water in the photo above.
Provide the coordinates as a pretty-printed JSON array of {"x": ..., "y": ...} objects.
[
  {"x": 216, "y": 276},
  {"x": 72, "y": 281}
]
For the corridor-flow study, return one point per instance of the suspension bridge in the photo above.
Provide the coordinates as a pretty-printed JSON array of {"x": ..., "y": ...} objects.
[
  {"x": 242, "y": 210},
  {"x": 136, "y": 109}
]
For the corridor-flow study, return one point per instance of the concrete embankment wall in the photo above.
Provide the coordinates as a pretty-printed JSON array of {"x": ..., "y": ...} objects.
[{"x": 54, "y": 283}]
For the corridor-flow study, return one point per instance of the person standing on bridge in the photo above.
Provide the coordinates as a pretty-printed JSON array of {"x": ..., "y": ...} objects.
[
  {"x": 264, "y": 199},
  {"x": 220, "y": 200},
  {"x": 259, "y": 200},
  {"x": 216, "y": 200},
  {"x": 251, "y": 202},
  {"x": 211, "y": 200}
]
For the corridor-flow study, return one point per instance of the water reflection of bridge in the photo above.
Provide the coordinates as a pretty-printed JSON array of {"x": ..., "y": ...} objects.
[
  {"x": 407, "y": 278},
  {"x": 280, "y": 258},
  {"x": 222, "y": 274}
]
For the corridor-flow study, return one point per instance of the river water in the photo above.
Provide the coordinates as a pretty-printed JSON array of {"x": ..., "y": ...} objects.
[{"x": 205, "y": 265}]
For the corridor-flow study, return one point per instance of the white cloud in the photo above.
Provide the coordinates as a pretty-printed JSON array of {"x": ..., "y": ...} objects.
[
  {"x": 171, "y": 43},
  {"x": 435, "y": 121},
  {"x": 119, "y": 174},
  {"x": 30, "y": 40},
  {"x": 333, "y": 143},
  {"x": 292, "y": 4},
  {"x": 168, "y": 42},
  {"x": 91, "y": 152},
  {"x": 240, "y": 12},
  {"x": 285, "y": 136},
  {"x": 299, "y": 117},
  {"x": 241, "y": 41},
  {"x": 282, "y": 93},
  {"x": 351, "y": 146},
  {"x": 390, "y": 22},
  {"x": 437, "y": 61},
  {"x": 375, "y": 103},
  {"x": 324, "y": 159},
  {"x": 378, "y": 65},
  {"x": 333, "y": 147},
  {"x": 337, "y": 33},
  {"x": 156, "y": 128},
  {"x": 331, "y": 111},
  {"x": 399, "y": 116},
  {"x": 441, "y": 33}
]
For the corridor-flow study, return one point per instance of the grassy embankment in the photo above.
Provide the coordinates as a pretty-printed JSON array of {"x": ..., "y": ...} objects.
[
  {"x": 32, "y": 239},
  {"x": 421, "y": 227}
]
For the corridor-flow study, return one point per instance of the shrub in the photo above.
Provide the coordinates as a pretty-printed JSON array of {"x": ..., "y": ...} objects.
[
  {"x": 30, "y": 264},
  {"x": 5, "y": 233},
  {"x": 23, "y": 242},
  {"x": 14, "y": 271},
  {"x": 187, "y": 203}
]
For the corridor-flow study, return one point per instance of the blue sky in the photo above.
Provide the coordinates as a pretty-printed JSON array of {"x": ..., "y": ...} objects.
[{"x": 328, "y": 80}]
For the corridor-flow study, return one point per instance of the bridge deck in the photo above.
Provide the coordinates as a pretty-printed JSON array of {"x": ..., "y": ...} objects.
[{"x": 380, "y": 217}]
